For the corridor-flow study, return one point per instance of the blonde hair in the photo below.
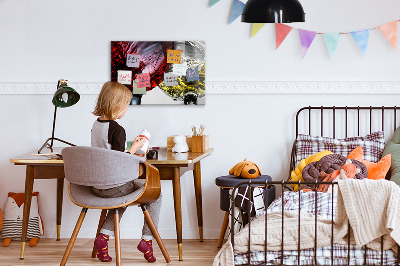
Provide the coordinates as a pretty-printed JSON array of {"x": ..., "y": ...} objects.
[{"x": 112, "y": 99}]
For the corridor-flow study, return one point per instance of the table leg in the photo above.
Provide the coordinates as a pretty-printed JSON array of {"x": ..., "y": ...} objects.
[
  {"x": 176, "y": 183},
  {"x": 60, "y": 190},
  {"x": 27, "y": 206},
  {"x": 199, "y": 204}
]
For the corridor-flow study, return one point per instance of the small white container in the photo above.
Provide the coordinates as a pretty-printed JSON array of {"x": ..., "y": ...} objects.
[{"x": 144, "y": 134}]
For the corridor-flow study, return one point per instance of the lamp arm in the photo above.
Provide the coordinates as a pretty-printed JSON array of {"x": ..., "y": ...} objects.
[
  {"x": 54, "y": 118},
  {"x": 54, "y": 126}
]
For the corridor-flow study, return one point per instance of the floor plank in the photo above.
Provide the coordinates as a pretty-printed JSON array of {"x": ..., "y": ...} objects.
[{"x": 49, "y": 252}]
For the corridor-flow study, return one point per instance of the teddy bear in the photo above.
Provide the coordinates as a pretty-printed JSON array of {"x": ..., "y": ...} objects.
[
  {"x": 245, "y": 169},
  {"x": 180, "y": 144},
  {"x": 13, "y": 215}
]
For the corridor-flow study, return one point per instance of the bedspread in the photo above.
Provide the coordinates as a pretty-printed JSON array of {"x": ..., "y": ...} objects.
[
  {"x": 372, "y": 206},
  {"x": 274, "y": 220}
]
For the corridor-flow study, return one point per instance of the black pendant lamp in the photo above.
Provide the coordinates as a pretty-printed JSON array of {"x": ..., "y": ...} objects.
[{"x": 273, "y": 11}]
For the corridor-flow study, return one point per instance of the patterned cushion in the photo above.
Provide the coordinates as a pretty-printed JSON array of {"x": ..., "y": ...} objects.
[{"x": 372, "y": 144}]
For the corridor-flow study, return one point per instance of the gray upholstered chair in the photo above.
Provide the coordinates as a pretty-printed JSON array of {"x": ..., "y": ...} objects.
[{"x": 85, "y": 167}]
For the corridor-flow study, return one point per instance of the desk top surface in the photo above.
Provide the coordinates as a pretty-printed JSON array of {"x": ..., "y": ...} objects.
[{"x": 164, "y": 157}]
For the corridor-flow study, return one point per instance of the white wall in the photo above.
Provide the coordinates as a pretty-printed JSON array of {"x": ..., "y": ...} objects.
[{"x": 42, "y": 41}]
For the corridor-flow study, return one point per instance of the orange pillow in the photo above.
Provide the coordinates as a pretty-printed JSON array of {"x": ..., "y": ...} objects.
[{"x": 375, "y": 170}]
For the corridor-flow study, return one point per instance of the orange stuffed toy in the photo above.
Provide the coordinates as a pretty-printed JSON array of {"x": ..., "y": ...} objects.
[
  {"x": 375, "y": 170},
  {"x": 12, "y": 224},
  {"x": 245, "y": 169}
]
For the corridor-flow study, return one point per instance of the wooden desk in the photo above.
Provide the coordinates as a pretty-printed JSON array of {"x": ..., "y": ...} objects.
[
  {"x": 40, "y": 167},
  {"x": 169, "y": 165}
]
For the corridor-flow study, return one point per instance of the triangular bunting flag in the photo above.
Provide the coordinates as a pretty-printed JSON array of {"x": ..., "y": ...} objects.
[
  {"x": 281, "y": 31},
  {"x": 306, "y": 39},
  {"x": 332, "y": 41},
  {"x": 213, "y": 2},
  {"x": 256, "y": 27},
  {"x": 361, "y": 37},
  {"x": 389, "y": 30},
  {"x": 237, "y": 9}
]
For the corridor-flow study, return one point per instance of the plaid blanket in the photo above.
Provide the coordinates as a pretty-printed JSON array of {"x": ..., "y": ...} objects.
[
  {"x": 323, "y": 205},
  {"x": 340, "y": 254},
  {"x": 306, "y": 201}
]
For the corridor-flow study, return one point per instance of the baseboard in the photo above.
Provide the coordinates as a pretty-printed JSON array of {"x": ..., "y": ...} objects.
[{"x": 231, "y": 87}]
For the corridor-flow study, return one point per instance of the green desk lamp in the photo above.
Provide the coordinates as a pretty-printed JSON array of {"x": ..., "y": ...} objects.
[{"x": 65, "y": 96}]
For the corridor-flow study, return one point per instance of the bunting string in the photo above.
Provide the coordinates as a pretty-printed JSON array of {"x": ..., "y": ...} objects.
[
  {"x": 361, "y": 37},
  {"x": 343, "y": 33}
]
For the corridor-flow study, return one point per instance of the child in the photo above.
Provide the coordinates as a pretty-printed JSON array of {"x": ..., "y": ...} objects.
[{"x": 112, "y": 103}]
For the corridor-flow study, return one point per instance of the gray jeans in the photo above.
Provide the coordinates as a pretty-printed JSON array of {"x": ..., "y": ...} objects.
[{"x": 154, "y": 208}]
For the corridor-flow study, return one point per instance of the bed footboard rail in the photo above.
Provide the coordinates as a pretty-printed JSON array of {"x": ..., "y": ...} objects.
[{"x": 282, "y": 257}]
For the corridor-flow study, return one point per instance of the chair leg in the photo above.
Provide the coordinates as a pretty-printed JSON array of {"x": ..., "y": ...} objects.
[
  {"x": 101, "y": 222},
  {"x": 223, "y": 229},
  {"x": 73, "y": 237},
  {"x": 154, "y": 230},
  {"x": 117, "y": 239}
]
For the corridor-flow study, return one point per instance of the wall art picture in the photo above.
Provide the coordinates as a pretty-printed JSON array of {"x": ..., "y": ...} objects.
[{"x": 161, "y": 72}]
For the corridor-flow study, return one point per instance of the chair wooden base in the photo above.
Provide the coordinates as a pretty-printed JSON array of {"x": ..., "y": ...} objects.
[
  {"x": 73, "y": 237},
  {"x": 156, "y": 235},
  {"x": 117, "y": 238},
  {"x": 78, "y": 225},
  {"x": 101, "y": 222}
]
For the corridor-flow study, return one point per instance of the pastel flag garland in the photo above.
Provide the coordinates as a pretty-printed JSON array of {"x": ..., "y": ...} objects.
[
  {"x": 281, "y": 31},
  {"x": 237, "y": 8},
  {"x": 256, "y": 27},
  {"x": 306, "y": 39},
  {"x": 389, "y": 30},
  {"x": 332, "y": 41},
  {"x": 361, "y": 37},
  {"x": 213, "y": 2}
]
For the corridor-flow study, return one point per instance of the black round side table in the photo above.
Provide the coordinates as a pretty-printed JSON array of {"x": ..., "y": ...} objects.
[{"x": 228, "y": 182}]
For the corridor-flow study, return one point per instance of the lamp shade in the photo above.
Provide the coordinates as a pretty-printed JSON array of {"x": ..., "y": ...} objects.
[
  {"x": 65, "y": 96},
  {"x": 273, "y": 11}
]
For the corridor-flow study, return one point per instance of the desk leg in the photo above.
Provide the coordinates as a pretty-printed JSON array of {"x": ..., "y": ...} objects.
[
  {"x": 60, "y": 190},
  {"x": 27, "y": 206},
  {"x": 199, "y": 204},
  {"x": 176, "y": 182}
]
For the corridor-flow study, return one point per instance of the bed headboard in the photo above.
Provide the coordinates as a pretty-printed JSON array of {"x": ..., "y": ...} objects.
[
  {"x": 344, "y": 121},
  {"x": 348, "y": 115}
]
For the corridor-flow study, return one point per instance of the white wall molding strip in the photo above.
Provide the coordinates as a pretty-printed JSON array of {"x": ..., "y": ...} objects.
[{"x": 232, "y": 87}]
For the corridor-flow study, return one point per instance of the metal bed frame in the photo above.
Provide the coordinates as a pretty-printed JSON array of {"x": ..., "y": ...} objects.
[{"x": 283, "y": 184}]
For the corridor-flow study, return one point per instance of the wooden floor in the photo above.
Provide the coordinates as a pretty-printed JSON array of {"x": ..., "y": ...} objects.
[{"x": 50, "y": 252}]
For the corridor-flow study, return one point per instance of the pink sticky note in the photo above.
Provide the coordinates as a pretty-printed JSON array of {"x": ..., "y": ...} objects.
[{"x": 144, "y": 80}]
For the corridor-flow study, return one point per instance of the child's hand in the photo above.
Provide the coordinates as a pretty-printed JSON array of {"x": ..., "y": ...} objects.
[
  {"x": 137, "y": 144},
  {"x": 143, "y": 155}
]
